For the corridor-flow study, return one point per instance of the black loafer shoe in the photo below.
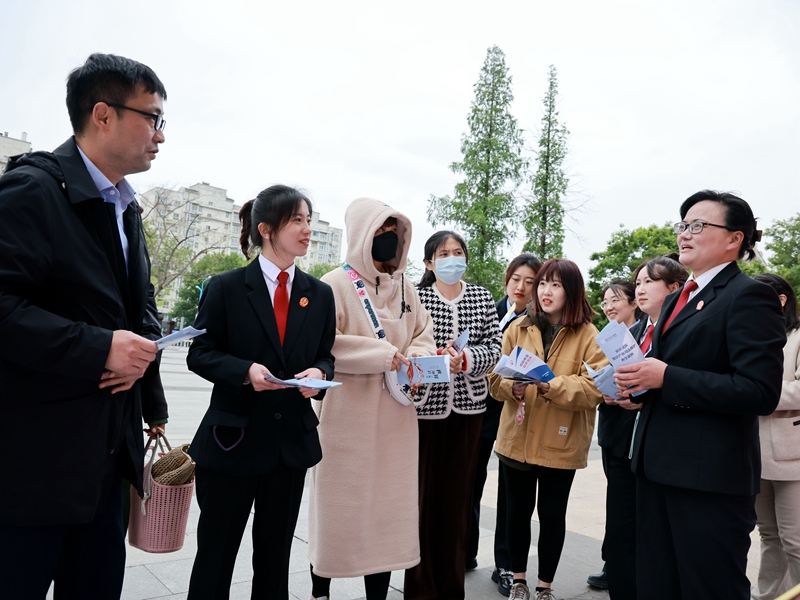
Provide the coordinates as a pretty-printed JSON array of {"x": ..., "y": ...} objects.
[
  {"x": 598, "y": 580},
  {"x": 472, "y": 564},
  {"x": 504, "y": 580}
]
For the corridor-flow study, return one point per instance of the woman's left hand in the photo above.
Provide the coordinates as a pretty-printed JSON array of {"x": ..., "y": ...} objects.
[
  {"x": 312, "y": 373},
  {"x": 543, "y": 386}
]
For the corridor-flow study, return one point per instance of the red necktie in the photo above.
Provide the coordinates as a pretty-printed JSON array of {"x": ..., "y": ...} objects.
[
  {"x": 648, "y": 338},
  {"x": 682, "y": 300},
  {"x": 281, "y": 303}
]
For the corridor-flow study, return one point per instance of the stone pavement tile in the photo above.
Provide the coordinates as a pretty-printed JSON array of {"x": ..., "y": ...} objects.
[
  {"x": 298, "y": 561},
  {"x": 141, "y": 584},
  {"x": 174, "y": 575}
]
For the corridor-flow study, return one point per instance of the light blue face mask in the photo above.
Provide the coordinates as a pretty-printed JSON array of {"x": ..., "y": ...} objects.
[{"x": 449, "y": 270}]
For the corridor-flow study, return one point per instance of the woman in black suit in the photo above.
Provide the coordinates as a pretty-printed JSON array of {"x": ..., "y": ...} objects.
[
  {"x": 520, "y": 273},
  {"x": 653, "y": 281},
  {"x": 258, "y": 438}
]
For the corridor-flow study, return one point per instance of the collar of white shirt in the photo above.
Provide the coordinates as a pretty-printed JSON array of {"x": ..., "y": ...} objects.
[
  {"x": 270, "y": 270},
  {"x": 704, "y": 279}
]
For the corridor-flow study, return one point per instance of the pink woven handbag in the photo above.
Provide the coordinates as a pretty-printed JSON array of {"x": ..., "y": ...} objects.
[{"x": 158, "y": 521}]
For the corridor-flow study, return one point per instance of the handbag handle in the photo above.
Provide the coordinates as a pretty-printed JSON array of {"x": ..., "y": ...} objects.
[{"x": 148, "y": 486}]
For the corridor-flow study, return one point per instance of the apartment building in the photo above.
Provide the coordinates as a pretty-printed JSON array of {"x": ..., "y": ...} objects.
[{"x": 11, "y": 147}]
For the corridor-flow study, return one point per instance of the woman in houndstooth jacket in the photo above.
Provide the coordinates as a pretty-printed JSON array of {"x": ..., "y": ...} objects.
[{"x": 450, "y": 417}]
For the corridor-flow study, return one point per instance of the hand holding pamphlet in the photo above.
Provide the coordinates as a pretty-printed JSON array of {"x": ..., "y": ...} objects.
[
  {"x": 305, "y": 382},
  {"x": 182, "y": 335},
  {"x": 617, "y": 343},
  {"x": 425, "y": 369},
  {"x": 524, "y": 366}
]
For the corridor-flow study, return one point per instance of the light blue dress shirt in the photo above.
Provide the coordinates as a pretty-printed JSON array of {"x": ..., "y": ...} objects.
[{"x": 120, "y": 197}]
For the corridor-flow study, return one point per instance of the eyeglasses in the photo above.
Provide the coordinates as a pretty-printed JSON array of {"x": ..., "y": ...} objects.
[
  {"x": 612, "y": 302},
  {"x": 158, "y": 120},
  {"x": 695, "y": 227}
]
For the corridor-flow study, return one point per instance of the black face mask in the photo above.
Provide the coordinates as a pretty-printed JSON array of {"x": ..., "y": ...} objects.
[{"x": 384, "y": 246}]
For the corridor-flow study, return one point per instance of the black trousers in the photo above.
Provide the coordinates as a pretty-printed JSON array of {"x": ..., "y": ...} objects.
[
  {"x": 500, "y": 543},
  {"x": 554, "y": 486},
  {"x": 692, "y": 544},
  {"x": 447, "y": 451},
  {"x": 225, "y": 503},
  {"x": 84, "y": 561},
  {"x": 619, "y": 544}
]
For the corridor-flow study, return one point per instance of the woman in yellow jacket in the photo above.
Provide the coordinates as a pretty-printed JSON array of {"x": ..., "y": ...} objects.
[{"x": 545, "y": 429}]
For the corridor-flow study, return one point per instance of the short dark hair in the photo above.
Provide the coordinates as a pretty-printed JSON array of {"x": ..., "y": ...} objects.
[
  {"x": 432, "y": 245},
  {"x": 781, "y": 286},
  {"x": 526, "y": 259},
  {"x": 106, "y": 78},
  {"x": 623, "y": 287},
  {"x": 576, "y": 308},
  {"x": 666, "y": 268},
  {"x": 274, "y": 207},
  {"x": 738, "y": 217}
]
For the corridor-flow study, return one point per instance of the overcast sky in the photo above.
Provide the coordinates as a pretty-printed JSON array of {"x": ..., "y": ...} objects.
[{"x": 348, "y": 99}]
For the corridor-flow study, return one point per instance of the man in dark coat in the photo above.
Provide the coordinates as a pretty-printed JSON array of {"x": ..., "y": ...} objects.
[
  {"x": 716, "y": 364},
  {"x": 77, "y": 324}
]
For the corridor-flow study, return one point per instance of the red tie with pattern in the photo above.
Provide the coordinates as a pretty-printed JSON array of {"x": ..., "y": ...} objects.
[
  {"x": 682, "y": 300},
  {"x": 648, "y": 339},
  {"x": 281, "y": 303}
]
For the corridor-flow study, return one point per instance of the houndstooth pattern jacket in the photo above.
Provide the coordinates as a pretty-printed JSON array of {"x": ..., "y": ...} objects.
[{"x": 475, "y": 309}]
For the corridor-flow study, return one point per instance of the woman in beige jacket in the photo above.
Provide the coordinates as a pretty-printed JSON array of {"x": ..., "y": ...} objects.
[
  {"x": 363, "y": 514},
  {"x": 778, "y": 504},
  {"x": 546, "y": 429}
]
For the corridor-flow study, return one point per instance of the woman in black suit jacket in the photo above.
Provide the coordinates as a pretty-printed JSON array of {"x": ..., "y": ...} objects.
[
  {"x": 652, "y": 282},
  {"x": 258, "y": 438},
  {"x": 715, "y": 365}
]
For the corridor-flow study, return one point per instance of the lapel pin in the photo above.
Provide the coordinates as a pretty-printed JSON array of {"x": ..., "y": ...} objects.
[
  {"x": 303, "y": 301},
  {"x": 700, "y": 305}
]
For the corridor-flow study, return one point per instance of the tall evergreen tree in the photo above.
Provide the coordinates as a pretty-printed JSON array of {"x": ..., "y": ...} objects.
[
  {"x": 544, "y": 213},
  {"x": 483, "y": 204}
]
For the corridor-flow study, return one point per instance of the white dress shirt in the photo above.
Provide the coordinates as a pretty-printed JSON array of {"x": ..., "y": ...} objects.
[{"x": 270, "y": 273}]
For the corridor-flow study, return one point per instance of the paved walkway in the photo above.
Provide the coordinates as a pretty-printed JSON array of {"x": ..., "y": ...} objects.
[{"x": 166, "y": 576}]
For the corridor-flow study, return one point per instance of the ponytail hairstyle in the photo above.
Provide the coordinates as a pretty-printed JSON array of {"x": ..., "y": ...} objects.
[
  {"x": 576, "y": 307},
  {"x": 666, "y": 268},
  {"x": 431, "y": 246},
  {"x": 738, "y": 217},
  {"x": 274, "y": 207},
  {"x": 781, "y": 286}
]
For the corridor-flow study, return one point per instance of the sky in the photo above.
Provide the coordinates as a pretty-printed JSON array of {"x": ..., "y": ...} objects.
[{"x": 349, "y": 99}]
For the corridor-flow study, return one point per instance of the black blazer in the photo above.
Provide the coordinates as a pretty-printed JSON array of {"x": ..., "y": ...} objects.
[
  {"x": 245, "y": 432},
  {"x": 64, "y": 289},
  {"x": 614, "y": 423},
  {"x": 724, "y": 353}
]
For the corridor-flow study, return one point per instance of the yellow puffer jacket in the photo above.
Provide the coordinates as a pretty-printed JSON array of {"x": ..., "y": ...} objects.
[{"x": 558, "y": 426}]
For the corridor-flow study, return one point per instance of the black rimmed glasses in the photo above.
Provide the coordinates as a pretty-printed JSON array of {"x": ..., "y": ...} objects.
[
  {"x": 158, "y": 120},
  {"x": 694, "y": 227}
]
